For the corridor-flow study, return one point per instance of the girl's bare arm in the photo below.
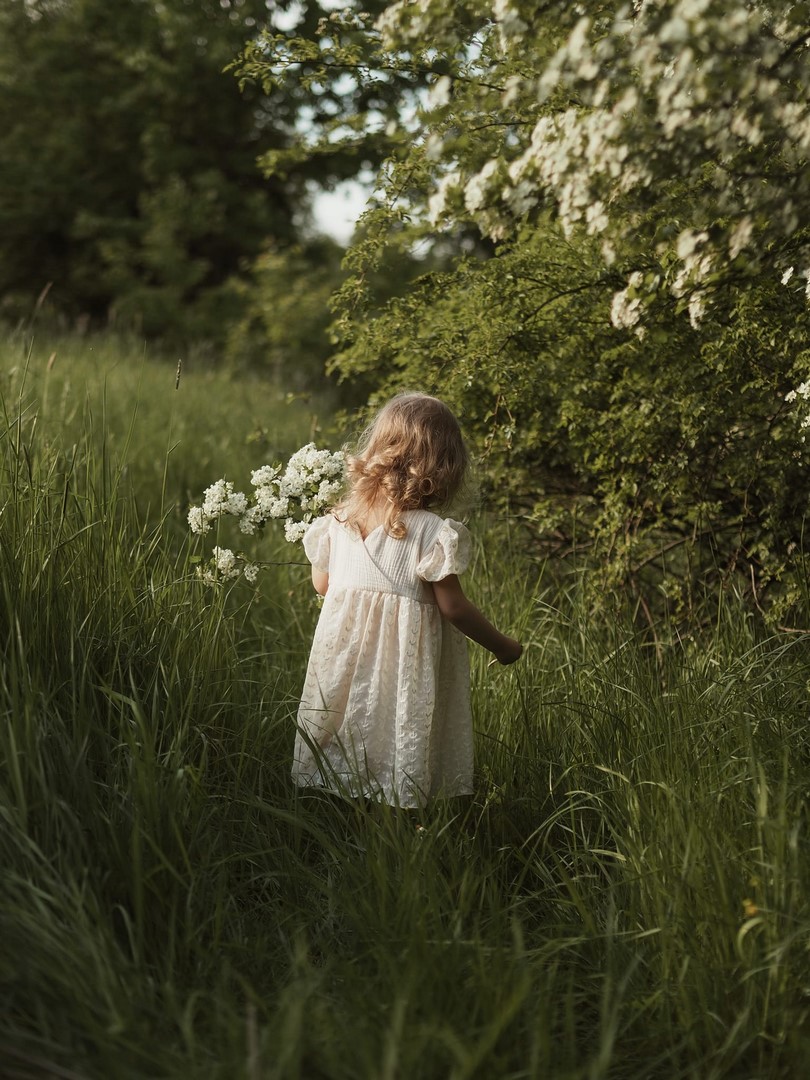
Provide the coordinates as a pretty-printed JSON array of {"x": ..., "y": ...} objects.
[
  {"x": 320, "y": 580},
  {"x": 466, "y": 617}
]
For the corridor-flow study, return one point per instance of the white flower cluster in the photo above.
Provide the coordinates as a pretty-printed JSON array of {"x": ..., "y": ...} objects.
[
  {"x": 437, "y": 204},
  {"x": 227, "y": 565},
  {"x": 509, "y": 21},
  {"x": 297, "y": 494},
  {"x": 801, "y": 393},
  {"x": 802, "y": 276},
  {"x": 625, "y": 309},
  {"x": 219, "y": 499}
]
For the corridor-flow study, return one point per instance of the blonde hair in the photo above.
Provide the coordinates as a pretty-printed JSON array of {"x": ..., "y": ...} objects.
[{"x": 411, "y": 457}]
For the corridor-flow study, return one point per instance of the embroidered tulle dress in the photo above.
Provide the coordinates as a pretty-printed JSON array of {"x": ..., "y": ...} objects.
[{"x": 385, "y": 709}]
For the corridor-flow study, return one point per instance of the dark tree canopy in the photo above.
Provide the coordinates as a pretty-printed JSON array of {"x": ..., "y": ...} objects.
[{"x": 129, "y": 176}]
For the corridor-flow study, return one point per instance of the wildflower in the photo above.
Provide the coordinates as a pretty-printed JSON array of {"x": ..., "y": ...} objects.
[
  {"x": 264, "y": 476},
  {"x": 220, "y": 498},
  {"x": 226, "y": 563},
  {"x": 197, "y": 521}
]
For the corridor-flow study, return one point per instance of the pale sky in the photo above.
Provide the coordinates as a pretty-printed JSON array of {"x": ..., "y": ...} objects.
[{"x": 336, "y": 212}]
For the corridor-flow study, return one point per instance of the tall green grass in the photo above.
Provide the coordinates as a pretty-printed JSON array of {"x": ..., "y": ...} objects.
[{"x": 626, "y": 895}]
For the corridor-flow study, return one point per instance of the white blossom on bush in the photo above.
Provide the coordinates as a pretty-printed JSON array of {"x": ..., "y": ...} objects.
[
  {"x": 437, "y": 203},
  {"x": 677, "y": 129},
  {"x": 625, "y": 308},
  {"x": 477, "y": 187},
  {"x": 439, "y": 93},
  {"x": 251, "y": 572},
  {"x": 801, "y": 394},
  {"x": 636, "y": 95}
]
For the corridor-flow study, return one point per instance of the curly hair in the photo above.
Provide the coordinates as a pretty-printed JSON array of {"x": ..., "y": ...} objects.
[{"x": 411, "y": 457}]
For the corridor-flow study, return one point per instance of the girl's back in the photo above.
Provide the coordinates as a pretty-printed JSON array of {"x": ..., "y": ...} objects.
[
  {"x": 385, "y": 708},
  {"x": 386, "y": 564},
  {"x": 385, "y": 705}
]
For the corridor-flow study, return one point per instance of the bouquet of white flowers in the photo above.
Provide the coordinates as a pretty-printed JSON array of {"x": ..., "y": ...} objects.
[{"x": 297, "y": 494}]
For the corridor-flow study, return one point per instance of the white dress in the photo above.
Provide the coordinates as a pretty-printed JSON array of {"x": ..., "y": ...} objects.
[{"x": 385, "y": 709}]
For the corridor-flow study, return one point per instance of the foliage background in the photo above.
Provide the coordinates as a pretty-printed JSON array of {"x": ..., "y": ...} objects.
[{"x": 625, "y": 894}]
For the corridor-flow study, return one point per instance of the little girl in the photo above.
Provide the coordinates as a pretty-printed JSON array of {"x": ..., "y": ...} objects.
[{"x": 385, "y": 709}]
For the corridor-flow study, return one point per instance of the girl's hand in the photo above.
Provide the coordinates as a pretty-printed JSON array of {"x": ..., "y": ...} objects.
[
  {"x": 320, "y": 581},
  {"x": 510, "y": 651}
]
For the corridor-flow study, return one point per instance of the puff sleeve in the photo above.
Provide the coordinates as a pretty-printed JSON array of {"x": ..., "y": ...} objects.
[
  {"x": 449, "y": 554},
  {"x": 317, "y": 542}
]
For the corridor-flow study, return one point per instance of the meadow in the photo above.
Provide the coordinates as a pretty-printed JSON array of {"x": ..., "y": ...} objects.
[{"x": 625, "y": 896}]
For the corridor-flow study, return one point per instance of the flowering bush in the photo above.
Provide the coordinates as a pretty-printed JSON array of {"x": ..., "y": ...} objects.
[
  {"x": 296, "y": 495},
  {"x": 679, "y": 127},
  {"x": 620, "y": 198}
]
